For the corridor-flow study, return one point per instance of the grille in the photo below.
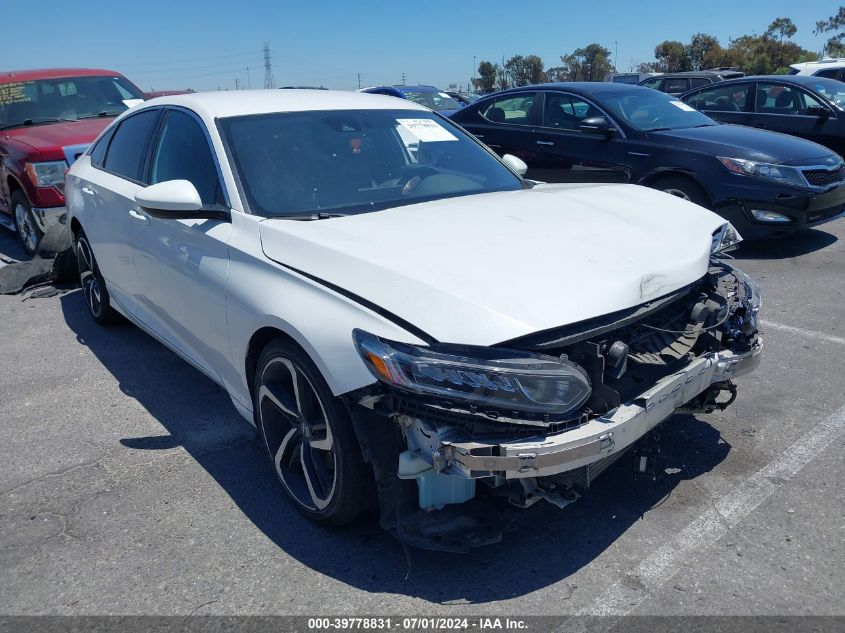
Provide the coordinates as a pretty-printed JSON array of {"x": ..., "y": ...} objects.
[{"x": 824, "y": 177}]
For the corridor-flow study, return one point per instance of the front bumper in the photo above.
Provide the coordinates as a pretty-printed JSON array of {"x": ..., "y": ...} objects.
[
  {"x": 552, "y": 454},
  {"x": 803, "y": 208},
  {"x": 45, "y": 217}
]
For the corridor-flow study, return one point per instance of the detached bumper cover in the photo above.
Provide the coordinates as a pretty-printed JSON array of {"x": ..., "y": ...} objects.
[
  {"x": 45, "y": 217},
  {"x": 552, "y": 454}
]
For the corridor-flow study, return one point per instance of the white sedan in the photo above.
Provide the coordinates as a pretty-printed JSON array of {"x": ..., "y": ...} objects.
[{"x": 401, "y": 314}]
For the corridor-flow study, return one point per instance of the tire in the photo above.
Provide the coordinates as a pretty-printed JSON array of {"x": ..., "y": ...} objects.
[
  {"x": 28, "y": 232},
  {"x": 684, "y": 188},
  {"x": 93, "y": 286},
  {"x": 309, "y": 438}
]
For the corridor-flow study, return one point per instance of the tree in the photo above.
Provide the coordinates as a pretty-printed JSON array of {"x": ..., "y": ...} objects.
[
  {"x": 835, "y": 46},
  {"x": 486, "y": 81},
  {"x": 591, "y": 63},
  {"x": 700, "y": 47},
  {"x": 781, "y": 28},
  {"x": 671, "y": 57},
  {"x": 523, "y": 71}
]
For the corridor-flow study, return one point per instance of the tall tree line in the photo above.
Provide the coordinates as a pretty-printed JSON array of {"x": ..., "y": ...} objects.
[{"x": 769, "y": 53}]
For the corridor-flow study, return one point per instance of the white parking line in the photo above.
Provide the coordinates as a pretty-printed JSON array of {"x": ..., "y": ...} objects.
[
  {"x": 830, "y": 338},
  {"x": 656, "y": 570}
]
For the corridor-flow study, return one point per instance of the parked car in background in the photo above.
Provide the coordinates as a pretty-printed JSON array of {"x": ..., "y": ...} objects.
[
  {"x": 152, "y": 94},
  {"x": 678, "y": 83},
  {"x": 47, "y": 119},
  {"x": 630, "y": 78},
  {"x": 464, "y": 98},
  {"x": 802, "y": 105},
  {"x": 828, "y": 67},
  {"x": 428, "y": 96},
  {"x": 766, "y": 184},
  {"x": 335, "y": 293}
]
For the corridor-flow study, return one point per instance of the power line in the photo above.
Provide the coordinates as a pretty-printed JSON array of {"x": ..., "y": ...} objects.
[
  {"x": 269, "y": 81},
  {"x": 188, "y": 61},
  {"x": 189, "y": 68}
]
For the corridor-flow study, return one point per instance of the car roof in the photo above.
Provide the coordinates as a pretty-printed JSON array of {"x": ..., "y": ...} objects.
[
  {"x": 418, "y": 88},
  {"x": 806, "y": 80},
  {"x": 588, "y": 87},
  {"x": 229, "y": 103},
  {"x": 819, "y": 63},
  {"x": 12, "y": 76}
]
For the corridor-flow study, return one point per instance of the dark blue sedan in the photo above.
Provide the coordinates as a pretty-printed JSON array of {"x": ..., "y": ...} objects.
[{"x": 429, "y": 96}]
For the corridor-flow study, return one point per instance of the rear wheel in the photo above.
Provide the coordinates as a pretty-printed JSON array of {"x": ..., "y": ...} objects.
[
  {"x": 28, "y": 232},
  {"x": 93, "y": 285},
  {"x": 309, "y": 437},
  {"x": 684, "y": 188}
]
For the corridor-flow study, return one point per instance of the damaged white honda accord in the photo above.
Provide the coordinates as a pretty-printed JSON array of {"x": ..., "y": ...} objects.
[{"x": 403, "y": 317}]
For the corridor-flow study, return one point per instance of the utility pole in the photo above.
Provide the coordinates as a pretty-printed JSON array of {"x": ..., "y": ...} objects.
[
  {"x": 615, "y": 56},
  {"x": 269, "y": 81},
  {"x": 359, "y": 81},
  {"x": 248, "y": 79},
  {"x": 471, "y": 87},
  {"x": 403, "y": 79}
]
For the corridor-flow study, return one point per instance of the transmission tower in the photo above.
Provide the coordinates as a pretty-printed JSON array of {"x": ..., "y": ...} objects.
[{"x": 269, "y": 82}]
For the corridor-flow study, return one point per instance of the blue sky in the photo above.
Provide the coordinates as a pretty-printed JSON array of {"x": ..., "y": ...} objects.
[{"x": 166, "y": 44}]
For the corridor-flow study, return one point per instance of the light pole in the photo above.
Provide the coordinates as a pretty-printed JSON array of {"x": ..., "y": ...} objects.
[
  {"x": 248, "y": 80},
  {"x": 615, "y": 56}
]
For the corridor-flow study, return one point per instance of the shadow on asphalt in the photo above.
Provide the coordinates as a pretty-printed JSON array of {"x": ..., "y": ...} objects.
[
  {"x": 544, "y": 546},
  {"x": 794, "y": 245}
]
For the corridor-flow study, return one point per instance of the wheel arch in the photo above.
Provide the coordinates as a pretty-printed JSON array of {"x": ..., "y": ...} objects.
[{"x": 653, "y": 177}]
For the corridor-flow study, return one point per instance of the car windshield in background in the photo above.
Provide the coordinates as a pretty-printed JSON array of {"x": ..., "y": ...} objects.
[
  {"x": 831, "y": 88},
  {"x": 651, "y": 111},
  {"x": 308, "y": 163},
  {"x": 433, "y": 100},
  {"x": 64, "y": 99}
]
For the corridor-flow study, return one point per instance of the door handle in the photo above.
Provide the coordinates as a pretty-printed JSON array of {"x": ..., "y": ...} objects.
[
  {"x": 88, "y": 191},
  {"x": 547, "y": 143},
  {"x": 139, "y": 216}
]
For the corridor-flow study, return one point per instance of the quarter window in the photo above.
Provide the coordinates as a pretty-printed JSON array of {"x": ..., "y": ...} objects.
[
  {"x": 128, "y": 147},
  {"x": 98, "y": 152},
  {"x": 565, "y": 112},
  {"x": 720, "y": 98},
  {"x": 513, "y": 109},
  {"x": 183, "y": 154}
]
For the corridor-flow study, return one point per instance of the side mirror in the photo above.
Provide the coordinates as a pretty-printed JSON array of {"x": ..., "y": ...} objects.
[
  {"x": 819, "y": 111},
  {"x": 516, "y": 164},
  {"x": 175, "y": 200},
  {"x": 596, "y": 125}
]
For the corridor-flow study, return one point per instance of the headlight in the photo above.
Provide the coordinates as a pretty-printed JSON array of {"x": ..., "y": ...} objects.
[
  {"x": 487, "y": 377},
  {"x": 725, "y": 238},
  {"x": 780, "y": 173},
  {"x": 51, "y": 174}
]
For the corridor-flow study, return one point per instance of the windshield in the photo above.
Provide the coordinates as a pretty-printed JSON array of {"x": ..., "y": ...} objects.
[
  {"x": 831, "y": 88},
  {"x": 650, "y": 110},
  {"x": 355, "y": 161},
  {"x": 432, "y": 100},
  {"x": 64, "y": 99}
]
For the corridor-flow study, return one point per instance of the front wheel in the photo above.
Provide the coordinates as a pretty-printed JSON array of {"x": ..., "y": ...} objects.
[
  {"x": 28, "y": 232},
  {"x": 309, "y": 437},
  {"x": 684, "y": 188},
  {"x": 93, "y": 285}
]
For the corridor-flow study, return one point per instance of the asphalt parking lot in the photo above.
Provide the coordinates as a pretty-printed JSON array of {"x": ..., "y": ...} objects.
[{"x": 129, "y": 485}]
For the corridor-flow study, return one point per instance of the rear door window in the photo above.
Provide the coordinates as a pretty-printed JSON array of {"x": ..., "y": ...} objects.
[
  {"x": 512, "y": 109},
  {"x": 128, "y": 148},
  {"x": 720, "y": 98},
  {"x": 675, "y": 85}
]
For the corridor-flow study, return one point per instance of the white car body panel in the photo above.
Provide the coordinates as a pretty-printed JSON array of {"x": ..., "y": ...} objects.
[
  {"x": 209, "y": 286},
  {"x": 573, "y": 252}
]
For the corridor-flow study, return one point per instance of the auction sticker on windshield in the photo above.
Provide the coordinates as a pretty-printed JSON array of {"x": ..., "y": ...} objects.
[
  {"x": 683, "y": 106},
  {"x": 427, "y": 130}
]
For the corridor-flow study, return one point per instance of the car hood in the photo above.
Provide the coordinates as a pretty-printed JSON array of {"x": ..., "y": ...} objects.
[
  {"x": 52, "y": 136},
  {"x": 739, "y": 141},
  {"x": 487, "y": 268}
]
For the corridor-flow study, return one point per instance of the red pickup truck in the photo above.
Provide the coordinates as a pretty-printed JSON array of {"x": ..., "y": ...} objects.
[{"x": 47, "y": 119}]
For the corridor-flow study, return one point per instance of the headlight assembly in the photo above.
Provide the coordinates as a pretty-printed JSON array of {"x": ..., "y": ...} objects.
[
  {"x": 725, "y": 238},
  {"x": 50, "y": 174},
  {"x": 502, "y": 379},
  {"x": 779, "y": 173}
]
